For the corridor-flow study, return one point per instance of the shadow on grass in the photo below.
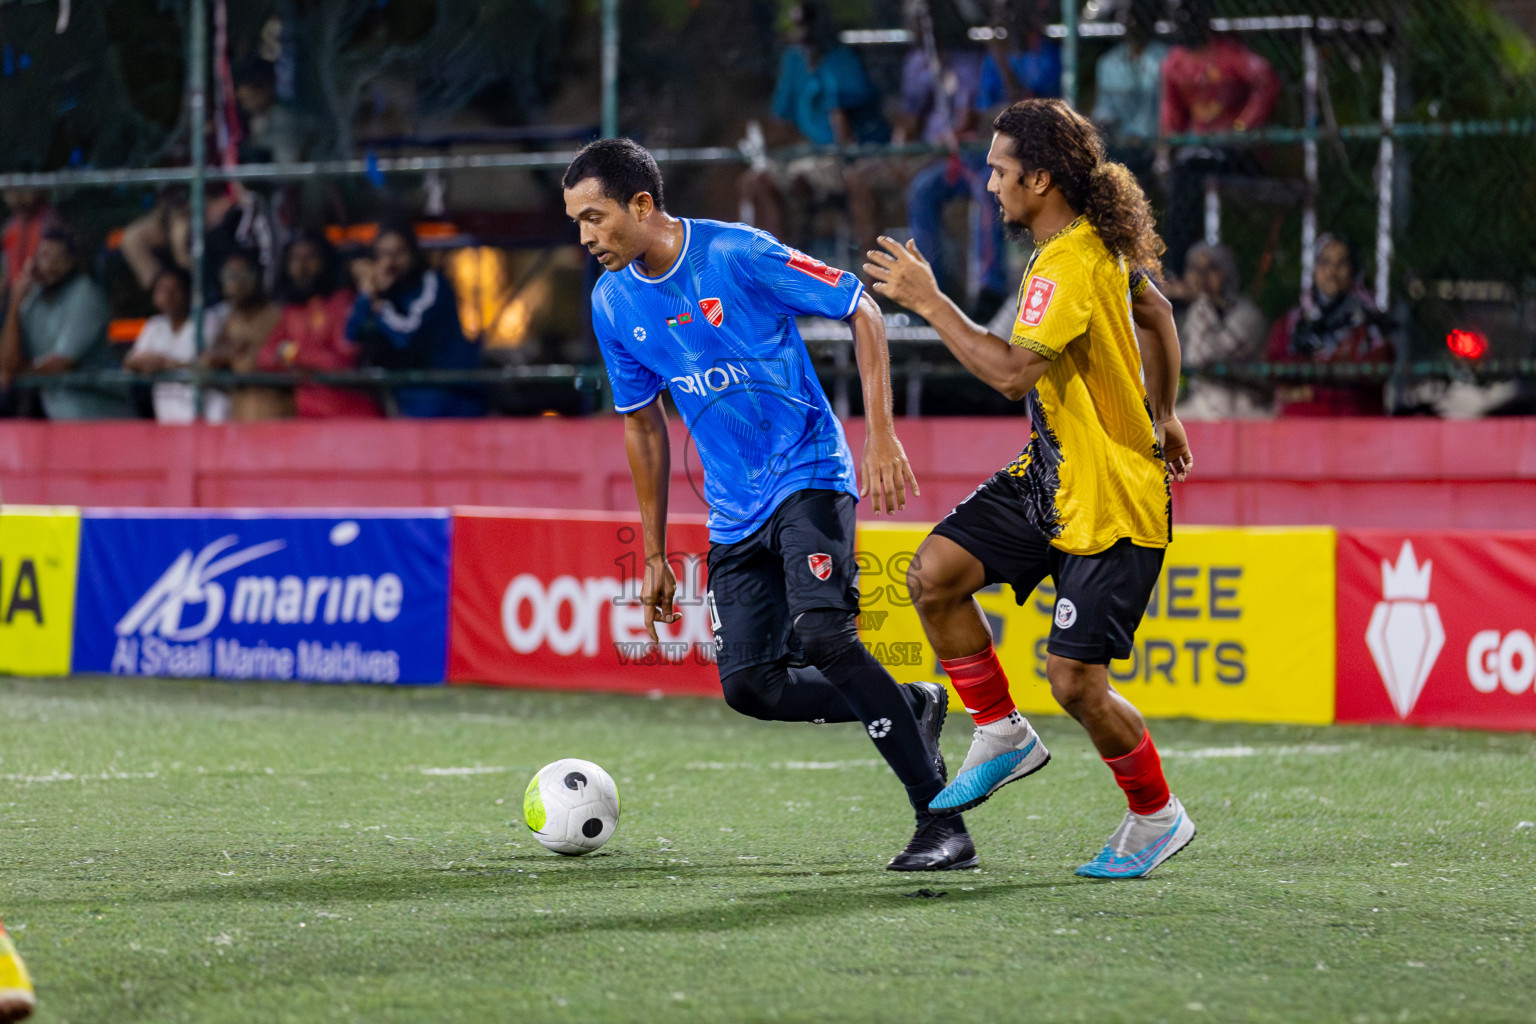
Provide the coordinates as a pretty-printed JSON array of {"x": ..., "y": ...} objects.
[{"x": 532, "y": 906}]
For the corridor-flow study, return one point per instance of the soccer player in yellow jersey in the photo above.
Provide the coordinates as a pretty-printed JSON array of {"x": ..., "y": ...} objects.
[{"x": 1087, "y": 500}]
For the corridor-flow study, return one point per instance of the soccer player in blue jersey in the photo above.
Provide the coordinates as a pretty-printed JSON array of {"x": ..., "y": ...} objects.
[{"x": 706, "y": 310}]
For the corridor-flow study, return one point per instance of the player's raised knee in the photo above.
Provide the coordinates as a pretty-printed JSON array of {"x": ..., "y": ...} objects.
[
  {"x": 826, "y": 633},
  {"x": 752, "y": 692},
  {"x": 933, "y": 586}
]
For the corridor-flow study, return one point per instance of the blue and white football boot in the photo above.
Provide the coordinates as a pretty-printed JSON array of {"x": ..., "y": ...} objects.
[
  {"x": 1142, "y": 842},
  {"x": 1001, "y": 752}
]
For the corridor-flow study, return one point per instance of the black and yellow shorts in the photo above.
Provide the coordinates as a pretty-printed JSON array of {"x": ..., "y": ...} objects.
[{"x": 1100, "y": 598}]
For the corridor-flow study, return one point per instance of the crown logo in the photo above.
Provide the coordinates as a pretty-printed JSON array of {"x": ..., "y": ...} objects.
[
  {"x": 1405, "y": 634},
  {"x": 1407, "y": 580}
]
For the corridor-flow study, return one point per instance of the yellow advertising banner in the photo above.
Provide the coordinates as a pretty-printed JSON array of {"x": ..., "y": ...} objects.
[
  {"x": 1240, "y": 626},
  {"x": 39, "y": 556}
]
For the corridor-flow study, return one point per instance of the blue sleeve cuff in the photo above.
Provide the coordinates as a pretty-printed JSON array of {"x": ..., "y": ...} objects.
[{"x": 858, "y": 294}]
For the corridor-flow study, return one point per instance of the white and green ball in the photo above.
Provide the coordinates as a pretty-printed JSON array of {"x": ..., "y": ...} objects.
[{"x": 572, "y": 806}]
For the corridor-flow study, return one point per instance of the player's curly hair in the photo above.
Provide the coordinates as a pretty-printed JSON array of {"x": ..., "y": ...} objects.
[{"x": 1049, "y": 135}]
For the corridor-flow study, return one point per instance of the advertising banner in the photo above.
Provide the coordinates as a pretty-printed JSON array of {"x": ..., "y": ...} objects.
[
  {"x": 39, "y": 547},
  {"x": 1239, "y": 628},
  {"x": 552, "y": 599},
  {"x": 313, "y": 596},
  {"x": 1436, "y": 628}
]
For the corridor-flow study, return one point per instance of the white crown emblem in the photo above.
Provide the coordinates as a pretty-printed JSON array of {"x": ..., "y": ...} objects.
[
  {"x": 1405, "y": 635},
  {"x": 1405, "y": 581}
]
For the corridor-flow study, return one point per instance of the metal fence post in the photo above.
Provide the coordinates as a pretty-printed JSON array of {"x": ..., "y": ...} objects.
[
  {"x": 1069, "y": 52},
  {"x": 1309, "y": 163},
  {"x": 610, "y": 69},
  {"x": 197, "y": 119},
  {"x": 1384, "y": 185}
]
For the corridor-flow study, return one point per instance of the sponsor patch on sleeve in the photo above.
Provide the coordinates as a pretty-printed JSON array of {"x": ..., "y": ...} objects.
[
  {"x": 814, "y": 268},
  {"x": 1037, "y": 299}
]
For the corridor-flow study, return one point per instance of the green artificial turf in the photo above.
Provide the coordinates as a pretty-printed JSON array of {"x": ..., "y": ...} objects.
[{"x": 212, "y": 852}]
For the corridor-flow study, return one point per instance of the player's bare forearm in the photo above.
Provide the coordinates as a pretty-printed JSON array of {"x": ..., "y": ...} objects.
[
  {"x": 1158, "y": 338},
  {"x": 903, "y": 275},
  {"x": 885, "y": 472},
  {"x": 873, "y": 354},
  {"x": 1008, "y": 369},
  {"x": 11, "y": 359},
  {"x": 650, "y": 464}
]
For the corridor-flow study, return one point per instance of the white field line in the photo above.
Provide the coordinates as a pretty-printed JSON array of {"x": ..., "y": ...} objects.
[
  {"x": 57, "y": 776},
  {"x": 116, "y": 776}
]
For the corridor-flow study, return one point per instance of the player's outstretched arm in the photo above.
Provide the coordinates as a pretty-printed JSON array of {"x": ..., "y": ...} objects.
[
  {"x": 650, "y": 464},
  {"x": 903, "y": 275},
  {"x": 1158, "y": 337},
  {"x": 885, "y": 471}
]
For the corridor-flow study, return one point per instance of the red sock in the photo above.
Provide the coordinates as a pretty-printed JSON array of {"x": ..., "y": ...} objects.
[
  {"x": 983, "y": 688},
  {"x": 1140, "y": 774}
]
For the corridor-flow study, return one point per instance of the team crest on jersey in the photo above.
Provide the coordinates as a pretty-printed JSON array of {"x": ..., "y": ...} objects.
[
  {"x": 713, "y": 311},
  {"x": 814, "y": 268},
  {"x": 1036, "y": 301},
  {"x": 821, "y": 566}
]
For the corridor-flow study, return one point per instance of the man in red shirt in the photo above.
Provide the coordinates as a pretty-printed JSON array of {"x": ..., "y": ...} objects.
[
  {"x": 1211, "y": 83},
  {"x": 30, "y": 216}
]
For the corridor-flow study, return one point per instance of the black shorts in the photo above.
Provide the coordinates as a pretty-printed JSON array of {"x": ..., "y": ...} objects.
[
  {"x": 800, "y": 560},
  {"x": 1100, "y": 598}
]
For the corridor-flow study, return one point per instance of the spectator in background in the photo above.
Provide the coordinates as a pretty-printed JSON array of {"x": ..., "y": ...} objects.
[
  {"x": 168, "y": 341},
  {"x": 1221, "y": 325},
  {"x": 1212, "y": 83},
  {"x": 1336, "y": 323},
  {"x": 311, "y": 331},
  {"x": 940, "y": 105},
  {"x": 31, "y": 215},
  {"x": 1024, "y": 65},
  {"x": 161, "y": 238},
  {"x": 825, "y": 93},
  {"x": 1129, "y": 88},
  {"x": 407, "y": 318},
  {"x": 57, "y": 322},
  {"x": 274, "y": 131},
  {"x": 249, "y": 320}
]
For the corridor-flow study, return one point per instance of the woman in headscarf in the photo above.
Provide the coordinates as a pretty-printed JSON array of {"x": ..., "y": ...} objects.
[
  {"x": 1221, "y": 325},
  {"x": 1336, "y": 324}
]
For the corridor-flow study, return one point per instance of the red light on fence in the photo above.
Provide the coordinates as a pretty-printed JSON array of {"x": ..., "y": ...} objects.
[{"x": 1467, "y": 344}]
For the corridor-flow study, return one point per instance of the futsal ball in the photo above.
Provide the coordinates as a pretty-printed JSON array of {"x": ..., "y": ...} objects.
[{"x": 572, "y": 806}]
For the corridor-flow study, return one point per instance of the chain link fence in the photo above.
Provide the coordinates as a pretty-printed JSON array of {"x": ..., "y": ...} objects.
[{"x": 1407, "y": 127}]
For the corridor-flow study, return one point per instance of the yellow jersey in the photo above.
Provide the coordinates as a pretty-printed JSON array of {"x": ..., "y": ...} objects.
[{"x": 1093, "y": 471}]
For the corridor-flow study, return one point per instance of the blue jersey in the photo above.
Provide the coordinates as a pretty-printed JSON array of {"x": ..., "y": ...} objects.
[{"x": 718, "y": 331}]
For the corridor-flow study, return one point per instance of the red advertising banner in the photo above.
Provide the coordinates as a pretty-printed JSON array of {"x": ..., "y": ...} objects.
[
  {"x": 551, "y": 599},
  {"x": 1436, "y": 628}
]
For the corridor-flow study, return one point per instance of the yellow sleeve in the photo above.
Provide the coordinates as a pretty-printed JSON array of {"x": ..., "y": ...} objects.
[{"x": 1055, "y": 304}]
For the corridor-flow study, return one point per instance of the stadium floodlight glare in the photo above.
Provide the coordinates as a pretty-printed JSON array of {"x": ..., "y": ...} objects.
[{"x": 1467, "y": 344}]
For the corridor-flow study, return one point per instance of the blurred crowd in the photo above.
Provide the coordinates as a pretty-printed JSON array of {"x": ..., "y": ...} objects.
[
  {"x": 287, "y": 314},
  {"x": 282, "y": 301}
]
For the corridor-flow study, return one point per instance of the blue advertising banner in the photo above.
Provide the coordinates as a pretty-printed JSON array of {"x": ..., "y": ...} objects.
[{"x": 319, "y": 597}]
